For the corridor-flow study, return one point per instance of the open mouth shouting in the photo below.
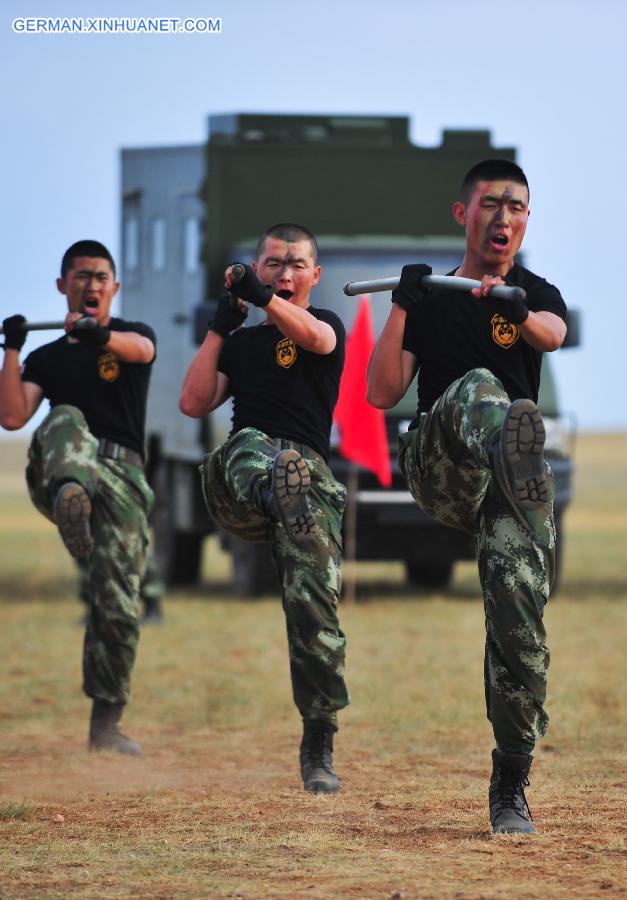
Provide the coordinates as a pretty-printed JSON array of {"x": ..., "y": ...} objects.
[
  {"x": 499, "y": 241},
  {"x": 284, "y": 294},
  {"x": 90, "y": 306}
]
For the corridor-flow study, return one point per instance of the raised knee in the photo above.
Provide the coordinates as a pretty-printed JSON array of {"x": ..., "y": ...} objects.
[
  {"x": 481, "y": 376},
  {"x": 66, "y": 414}
]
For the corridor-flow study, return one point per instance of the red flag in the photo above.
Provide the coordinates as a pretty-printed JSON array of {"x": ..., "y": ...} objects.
[{"x": 363, "y": 439}]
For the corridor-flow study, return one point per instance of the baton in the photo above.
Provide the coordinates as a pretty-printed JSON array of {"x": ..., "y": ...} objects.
[
  {"x": 81, "y": 325},
  {"x": 453, "y": 282},
  {"x": 238, "y": 270}
]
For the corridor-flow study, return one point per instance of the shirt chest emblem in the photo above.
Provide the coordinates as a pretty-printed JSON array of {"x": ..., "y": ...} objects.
[
  {"x": 108, "y": 367},
  {"x": 285, "y": 352},
  {"x": 504, "y": 333}
]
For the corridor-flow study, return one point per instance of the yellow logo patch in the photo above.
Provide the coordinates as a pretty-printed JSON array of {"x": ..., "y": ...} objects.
[
  {"x": 285, "y": 352},
  {"x": 108, "y": 367},
  {"x": 504, "y": 333}
]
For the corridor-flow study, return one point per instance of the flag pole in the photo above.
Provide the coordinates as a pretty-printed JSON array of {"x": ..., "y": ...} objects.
[{"x": 350, "y": 555}]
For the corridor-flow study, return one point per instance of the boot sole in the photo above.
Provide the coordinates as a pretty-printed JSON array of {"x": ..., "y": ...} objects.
[
  {"x": 320, "y": 781},
  {"x": 522, "y": 448},
  {"x": 291, "y": 482},
  {"x": 512, "y": 829},
  {"x": 126, "y": 747},
  {"x": 72, "y": 514},
  {"x": 319, "y": 787}
]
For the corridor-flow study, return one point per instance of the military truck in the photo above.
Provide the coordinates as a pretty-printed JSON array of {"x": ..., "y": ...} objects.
[{"x": 375, "y": 200}]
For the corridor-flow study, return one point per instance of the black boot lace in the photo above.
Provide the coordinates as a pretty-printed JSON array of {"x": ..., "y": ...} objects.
[
  {"x": 512, "y": 792},
  {"x": 317, "y": 749}
]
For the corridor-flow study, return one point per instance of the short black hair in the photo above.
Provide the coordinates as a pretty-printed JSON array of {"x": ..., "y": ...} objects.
[
  {"x": 92, "y": 249},
  {"x": 287, "y": 231},
  {"x": 491, "y": 170}
]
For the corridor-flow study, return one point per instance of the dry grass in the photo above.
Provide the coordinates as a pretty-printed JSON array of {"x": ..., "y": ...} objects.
[{"x": 215, "y": 808}]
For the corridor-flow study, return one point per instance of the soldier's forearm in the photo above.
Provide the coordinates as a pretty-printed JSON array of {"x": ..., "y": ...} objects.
[
  {"x": 131, "y": 347},
  {"x": 13, "y": 406},
  {"x": 385, "y": 368},
  {"x": 543, "y": 331},
  {"x": 200, "y": 386},
  {"x": 300, "y": 326}
]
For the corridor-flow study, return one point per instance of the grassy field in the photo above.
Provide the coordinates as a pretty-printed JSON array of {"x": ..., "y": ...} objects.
[{"x": 215, "y": 808}]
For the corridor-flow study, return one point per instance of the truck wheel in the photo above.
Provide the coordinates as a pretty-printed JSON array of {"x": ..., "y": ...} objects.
[
  {"x": 253, "y": 571},
  {"x": 178, "y": 556},
  {"x": 178, "y": 553},
  {"x": 429, "y": 574}
]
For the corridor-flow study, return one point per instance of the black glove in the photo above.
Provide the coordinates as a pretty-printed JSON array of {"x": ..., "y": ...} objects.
[
  {"x": 14, "y": 333},
  {"x": 410, "y": 291},
  {"x": 515, "y": 311},
  {"x": 226, "y": 318},
  {"x": 250, "y": 289},
  {"x": 90, "y": 332}
]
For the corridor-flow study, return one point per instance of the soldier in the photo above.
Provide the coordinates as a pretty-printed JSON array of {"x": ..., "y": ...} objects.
[
  {"x": 270, "y": 480},
  {"x": 473, "y": 457},
  {"x": 85, "y": 470}
]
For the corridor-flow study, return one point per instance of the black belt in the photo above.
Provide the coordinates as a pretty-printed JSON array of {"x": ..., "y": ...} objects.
[
  {"x": 287, "y": 444},
  {"x": 303, "y": 449},
  {"x": 111, "y": 450}
]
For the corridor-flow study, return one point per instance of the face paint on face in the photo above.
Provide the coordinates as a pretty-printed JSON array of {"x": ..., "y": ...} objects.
[
  {"x": 495, "y": 220},
  {"x": 289, "y": 268}
]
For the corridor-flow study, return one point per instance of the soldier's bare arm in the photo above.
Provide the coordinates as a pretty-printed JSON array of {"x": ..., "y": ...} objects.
[
  {"x": 292, "y": 320},
  {"x": 131, "y": 347},
  {"x": 128, "y": 346},
  {"x": 391, "y": 369},
  {"x": 204, "y": 387},
  {"x": 542, "y": 330},
  {"x": 301, "y": 327},
  {"x": 19, "y": 400}
]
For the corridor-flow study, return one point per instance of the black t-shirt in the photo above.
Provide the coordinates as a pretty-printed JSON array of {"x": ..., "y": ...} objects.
[
  {"x": 111, "y": 394},
  {"x": 451, "y": 332},
  {"x": 281, "y": 389}
]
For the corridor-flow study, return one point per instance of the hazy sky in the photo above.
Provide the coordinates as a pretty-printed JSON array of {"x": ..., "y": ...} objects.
[{"x": 547, "y": 77}]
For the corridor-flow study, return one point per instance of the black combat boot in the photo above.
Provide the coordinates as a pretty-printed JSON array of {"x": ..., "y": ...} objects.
[
  {"x": 517, "y": 457},
  {"x": 72, "y": 515},
  {"x": 284, "y": 499},
  {"x": 104, "y": 733},
  {"x": 316, "y": 757},
  {"x": 509, "y": 812}
]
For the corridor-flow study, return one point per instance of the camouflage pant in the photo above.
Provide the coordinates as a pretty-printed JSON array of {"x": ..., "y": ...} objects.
[
  {"x": 63, "y": 449},
  {"x": 151, "y": 589},
  {"x": 446, "y": 465},
  {"x": 309, "y": 573}
]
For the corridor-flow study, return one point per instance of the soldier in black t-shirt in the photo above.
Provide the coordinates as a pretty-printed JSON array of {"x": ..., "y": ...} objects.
[
  {"x": 85, "y": 469},
  {"x": 473, "y": 457},
  {"x": 270, "y": 480}
]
